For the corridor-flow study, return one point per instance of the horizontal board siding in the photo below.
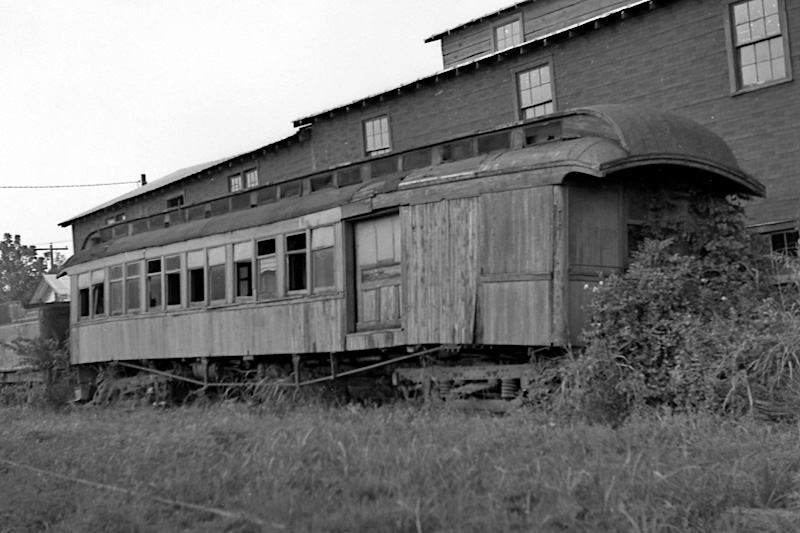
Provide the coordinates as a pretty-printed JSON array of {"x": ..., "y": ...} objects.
[
  {"x": 300, "y": 327},
  {"x": 516, "y": 313},
  {"x": 440, "y": 271}
]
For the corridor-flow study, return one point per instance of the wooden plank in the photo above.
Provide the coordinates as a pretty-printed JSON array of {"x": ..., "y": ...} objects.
[
  {"x": 560, "y": 323},
  {"x": 440, "y": 271},
  {"x": 516, "y": 313}
]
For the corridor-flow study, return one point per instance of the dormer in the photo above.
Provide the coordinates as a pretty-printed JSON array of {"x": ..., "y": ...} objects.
[{"x": 519, "y": 23}]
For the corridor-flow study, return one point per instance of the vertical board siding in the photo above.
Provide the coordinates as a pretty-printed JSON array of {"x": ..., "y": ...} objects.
[
  {"x": 301, "y": 327},
  {"x": 517, "y": 231},
  {"x": 440, "y": 270},
  {"x": 517, "y": 266},
  {"x": 595, "y": 231},
  {"x": 516, "y": 312}
]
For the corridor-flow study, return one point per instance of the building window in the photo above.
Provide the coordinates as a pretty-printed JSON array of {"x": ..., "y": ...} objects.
[
  {"x": 267, "y": 270},
  {"x": 235, "y": 183},
  {"x": 322, "y": 257},
  {"x": 84, "y": 299},
  {"x": 243, "y": 268},
  {"x": 115, "y": 290},
  {"x": 784, "y": 243},
  {"x": 251, "y": 179},
  {"x": 98, "y": 292},
  {"x": 175, "y": 202},
  {"x": 172, "y": 269},
  {"x": 154, "y": 298},
  {"x": 132, "y": 285},
  {"x": 759, "y": 42},
  {"x": 119, "y": 217},
  {"x": 216, "y": 273},
  {"x": 535, "y": 90},
  {"x": 196, "y": 266},
  {"x": 296, "y": 269},
  {"x": 508, "y": 35},
  {"x": 376, "y": 136}
]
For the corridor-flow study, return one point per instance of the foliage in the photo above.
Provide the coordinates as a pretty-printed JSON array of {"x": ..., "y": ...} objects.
[
  {"x": 390, "y": 469},
  {"x": 20, "y": 270},
  {"x": 51, "y": 358},
  {"x": 693, "y": 324}
]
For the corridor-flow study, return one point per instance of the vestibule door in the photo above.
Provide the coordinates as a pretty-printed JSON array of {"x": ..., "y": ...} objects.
[{"x": 378, "y": 273}]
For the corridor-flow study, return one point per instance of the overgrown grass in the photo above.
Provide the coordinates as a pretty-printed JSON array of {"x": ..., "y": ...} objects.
[{"x": 401, "y": 468}]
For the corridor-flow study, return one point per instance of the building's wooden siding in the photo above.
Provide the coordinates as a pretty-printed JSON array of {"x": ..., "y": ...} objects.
[
  {"x": 290, "y": 327},
  {"x": 440, "y": 256},
  {"x": 539, "y": 19}
]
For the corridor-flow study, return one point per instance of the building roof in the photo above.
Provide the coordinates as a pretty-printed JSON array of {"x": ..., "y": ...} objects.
[
  {"x": 478, "y": 20},
  {"x": 177, "y": 176},
  {"x": 51, "y": 289},
  {"x": 588, "y": 23}
]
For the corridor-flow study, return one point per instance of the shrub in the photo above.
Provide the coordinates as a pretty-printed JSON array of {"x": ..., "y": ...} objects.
[{"x": 692, "y": 324}]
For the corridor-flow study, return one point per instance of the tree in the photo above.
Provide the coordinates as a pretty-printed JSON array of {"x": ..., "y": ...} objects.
[{"x": 20, "y": 269}]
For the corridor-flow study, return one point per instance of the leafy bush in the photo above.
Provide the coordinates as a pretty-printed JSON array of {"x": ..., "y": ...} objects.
[{"x": 692, "y": 324}]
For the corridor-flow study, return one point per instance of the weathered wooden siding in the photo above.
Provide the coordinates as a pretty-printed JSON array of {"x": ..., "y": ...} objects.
[
  {"x": 515, "y": 297},
  {"x": 296, "y": 327},
  {"x": 596, "y": 246},
  {"x": 440, "y": 265},
  {"x": 27, "y": 329}
]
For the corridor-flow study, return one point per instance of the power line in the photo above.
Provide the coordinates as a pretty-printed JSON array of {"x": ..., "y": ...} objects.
[{"x": 66, "y": 186}]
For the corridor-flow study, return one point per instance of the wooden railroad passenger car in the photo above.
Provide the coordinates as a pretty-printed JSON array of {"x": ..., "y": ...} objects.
[{"x": 484, "y": 242}]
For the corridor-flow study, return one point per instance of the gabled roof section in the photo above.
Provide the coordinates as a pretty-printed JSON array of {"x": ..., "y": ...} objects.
[
  {"x": 177, "y": 176},
  {"x": 478, "y": 20},
  {"x": 51, "y": 289},
  {"x": 587, "y": 24}
]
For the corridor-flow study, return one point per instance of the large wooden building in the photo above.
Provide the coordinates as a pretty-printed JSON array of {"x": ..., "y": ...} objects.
[{"x": 471, "y": 207}]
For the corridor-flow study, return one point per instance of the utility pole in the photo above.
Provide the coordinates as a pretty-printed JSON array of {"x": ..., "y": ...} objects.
[{"x": 52, "y": 254}]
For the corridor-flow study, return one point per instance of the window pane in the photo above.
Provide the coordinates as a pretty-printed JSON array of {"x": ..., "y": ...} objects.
[
  {"x": 296, "y": 275},
  {"x": 244, "y": 272},
  {"x": 770, "y": 7},
  {"x": 740, "y": 13},
  {"x": 296, "y": 242},
  {"x": 267, "y": 281},
  {"x": 747, "y": 54},
  {"x": 83, "y": 302},
  {"x": 266, "y": 247},
  {"x": 743, "y": 33},
  {"x": 154, "y": 292},
  {"x": 216, "y": 280},
  {"x": 252, "y": 178},
  {"x": 778, "y": 68},
  {"x": 756, "y": 9},
  {"x": 115, "y": 273},
  {"x": 758, "y": 29},
  {"x": 132, "y": 294},
  {"x": 115, "y": 297},
  {"x": 197, "y": 285},
  {"x": 172, "y": 262},
  {"x": 764, "y": 71},
  {"x": 174, "y": 288},
  {"x": 322, "y": 237},
  {"x": 154, "y": 266},
  {"x": 773, "y": 25},
  {"x": 762, "y": 51},
  {"x": 323, "y": 267},
  {"x": 776, "y": 48},
  {"x": 97, "y": 297}
]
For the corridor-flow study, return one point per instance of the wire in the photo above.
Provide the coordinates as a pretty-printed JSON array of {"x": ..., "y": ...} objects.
[{"x": 65, "y": 186}]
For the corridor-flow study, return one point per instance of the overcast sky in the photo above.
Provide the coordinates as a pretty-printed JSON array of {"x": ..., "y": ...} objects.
[{"x": 102, "y": 91}]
